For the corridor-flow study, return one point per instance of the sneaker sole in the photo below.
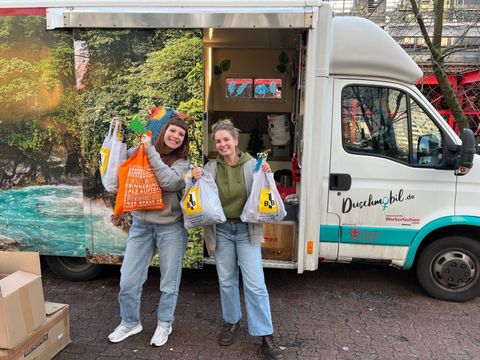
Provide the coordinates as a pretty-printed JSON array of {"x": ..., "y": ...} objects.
[
  {"x": 163, "y": 343},
  {"x": 133, "y": 332}
]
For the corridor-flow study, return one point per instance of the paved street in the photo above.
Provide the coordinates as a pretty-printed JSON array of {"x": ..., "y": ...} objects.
[{"x": 338, "y": 312}]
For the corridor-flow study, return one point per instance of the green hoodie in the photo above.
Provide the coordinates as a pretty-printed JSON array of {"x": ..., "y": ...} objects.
[{"x": 231, "y": 186}]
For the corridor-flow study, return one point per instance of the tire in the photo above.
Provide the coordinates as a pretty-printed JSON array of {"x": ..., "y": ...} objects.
[
  {"x": 73, "y": 268},
  {"x": 449, "y": 268}
]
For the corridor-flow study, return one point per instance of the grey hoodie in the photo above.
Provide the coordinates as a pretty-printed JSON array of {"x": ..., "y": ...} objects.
[{"x": 171, "y": 180}]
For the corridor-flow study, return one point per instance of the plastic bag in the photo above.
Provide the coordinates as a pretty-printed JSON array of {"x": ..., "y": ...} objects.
[
  {"x": 264, "y": 203},
  {"x": 201, "y": 204},
  {"x": 112, "y": 153},
  {"x": 138, "y": 187}
]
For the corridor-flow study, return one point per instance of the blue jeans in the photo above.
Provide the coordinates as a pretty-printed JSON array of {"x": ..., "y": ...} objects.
[
  {"x": 171, "y": 242},
  {"x": 234, "y": 249}
]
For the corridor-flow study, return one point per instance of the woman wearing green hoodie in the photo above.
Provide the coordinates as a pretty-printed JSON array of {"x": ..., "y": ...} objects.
[{"x": 236, "y": 245}]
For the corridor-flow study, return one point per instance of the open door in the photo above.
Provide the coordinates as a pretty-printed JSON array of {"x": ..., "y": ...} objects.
[{"x": 252, "y": 78}]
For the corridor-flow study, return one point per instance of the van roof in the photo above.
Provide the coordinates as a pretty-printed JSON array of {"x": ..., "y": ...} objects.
[
  {"x": 157, "y": 3},
  {"x": 360, "y": 49},
  {"x": 169, "y": 13}
]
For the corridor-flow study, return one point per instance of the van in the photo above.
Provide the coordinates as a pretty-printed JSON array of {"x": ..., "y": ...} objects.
[{"x": 377, "y": 175}]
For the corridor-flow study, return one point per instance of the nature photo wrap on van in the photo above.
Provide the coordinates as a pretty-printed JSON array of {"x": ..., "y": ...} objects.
[
  {"x": 369, "y": 154},
  {"x": 59, "y": 98}
]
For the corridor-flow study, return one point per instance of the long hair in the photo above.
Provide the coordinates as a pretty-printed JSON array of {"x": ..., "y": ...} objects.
[{"x": 182, "y": 152}]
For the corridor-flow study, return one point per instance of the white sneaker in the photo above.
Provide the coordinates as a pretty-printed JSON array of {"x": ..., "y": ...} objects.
[
  {"x": 161, "y": 335},
  {"x": 122, "y": 332}
]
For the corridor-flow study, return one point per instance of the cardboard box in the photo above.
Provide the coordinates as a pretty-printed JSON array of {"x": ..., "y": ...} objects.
[
  {"x": 46, "y": 341},
  {"x": 279, "y": 241},
  {"x": 22, "y": 307}
]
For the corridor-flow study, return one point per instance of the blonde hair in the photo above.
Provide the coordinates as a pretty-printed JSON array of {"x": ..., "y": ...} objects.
[{"x": 225, "y": 124}]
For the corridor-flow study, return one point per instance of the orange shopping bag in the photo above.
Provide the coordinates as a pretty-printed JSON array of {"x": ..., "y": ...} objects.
[{"x": 138, "y": 187}]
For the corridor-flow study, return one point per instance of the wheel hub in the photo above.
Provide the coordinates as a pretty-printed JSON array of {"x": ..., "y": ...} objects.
[{"x": 454, "y": 269}]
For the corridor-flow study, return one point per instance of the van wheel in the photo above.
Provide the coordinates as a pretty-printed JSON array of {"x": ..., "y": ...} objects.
[
  {"x": 449, "y": 268},
  {"x": 73, "y": 268}
]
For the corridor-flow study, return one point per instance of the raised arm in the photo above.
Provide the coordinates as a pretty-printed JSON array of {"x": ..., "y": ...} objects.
[{"x": 170, "y": 178}]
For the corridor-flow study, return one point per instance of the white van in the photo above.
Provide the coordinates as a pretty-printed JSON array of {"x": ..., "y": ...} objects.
[{"x": 379, "y": 175}]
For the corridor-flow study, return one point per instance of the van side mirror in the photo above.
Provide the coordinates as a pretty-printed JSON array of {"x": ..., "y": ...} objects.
[
  {"x": 428, "y": 150},
  {"x": 467, "y": 152}
]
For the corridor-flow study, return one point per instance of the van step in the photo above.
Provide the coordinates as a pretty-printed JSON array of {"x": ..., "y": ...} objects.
[{"x": 277, "y": 264}]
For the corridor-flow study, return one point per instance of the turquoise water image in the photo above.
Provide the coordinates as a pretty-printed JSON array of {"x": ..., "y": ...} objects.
[
  {"x": 55, "y": 220},
  {"x": 102, "y": 237}
]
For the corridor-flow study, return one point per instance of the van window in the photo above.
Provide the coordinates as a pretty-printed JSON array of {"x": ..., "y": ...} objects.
[
  {"x": 426, "y": 138},
  {"x": 386, "y": 122},
  {"x": 375, "y": 121}
]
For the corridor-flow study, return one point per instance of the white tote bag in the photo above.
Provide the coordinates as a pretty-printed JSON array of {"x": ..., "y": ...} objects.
[
  {"x": 264, "y": 203},
  {"x": 113, "y": 153},
  {"x": 201, "y": 204}
]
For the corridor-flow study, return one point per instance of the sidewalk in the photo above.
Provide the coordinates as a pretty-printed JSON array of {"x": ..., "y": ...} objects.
[{"x": 337, "y": 312}]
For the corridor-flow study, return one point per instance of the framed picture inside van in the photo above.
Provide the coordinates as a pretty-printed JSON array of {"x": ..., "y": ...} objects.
[
  {"x": 267, "y": 88},
  {"x": 239, "y": 88}
]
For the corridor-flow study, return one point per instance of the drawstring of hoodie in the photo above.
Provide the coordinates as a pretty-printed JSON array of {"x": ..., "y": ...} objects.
[
  {"x": 238, "y": 174},
  {"x": 235, "y": 171}
]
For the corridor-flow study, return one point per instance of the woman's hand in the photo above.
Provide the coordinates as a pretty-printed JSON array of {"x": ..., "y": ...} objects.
[
  {"x": 146, "y": 140},
  {"x": 265, "y": 167},
  {"x": 197, "y": 172}
]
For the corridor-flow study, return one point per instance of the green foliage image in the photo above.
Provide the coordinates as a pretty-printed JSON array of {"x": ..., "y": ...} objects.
[{"x": 55, "y": 113}]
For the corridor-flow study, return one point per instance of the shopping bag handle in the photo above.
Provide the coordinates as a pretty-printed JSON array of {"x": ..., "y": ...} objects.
[{"x": 114, "y": 124}]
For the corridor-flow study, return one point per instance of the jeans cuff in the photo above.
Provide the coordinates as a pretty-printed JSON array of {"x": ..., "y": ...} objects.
[
  {"x": 129, "y": 324},
  {"x": 164, "y": 324}
]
